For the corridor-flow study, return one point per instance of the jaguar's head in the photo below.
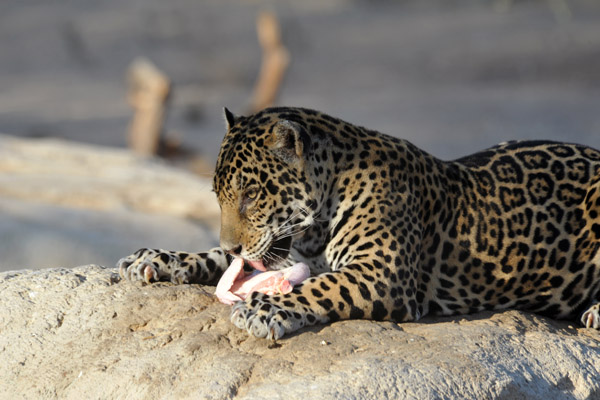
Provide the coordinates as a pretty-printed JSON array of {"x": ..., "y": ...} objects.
[{"x": 266, "y": 193}]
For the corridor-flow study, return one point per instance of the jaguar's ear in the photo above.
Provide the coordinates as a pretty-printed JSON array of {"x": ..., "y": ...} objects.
[
  {"x": 229, "y": 118},
  {"x": 288, "y": 140}
]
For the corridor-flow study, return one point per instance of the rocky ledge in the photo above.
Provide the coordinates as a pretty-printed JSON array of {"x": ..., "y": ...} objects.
[
  {"x": 64, "y": 204},
  {"x": 82, "y": 333}
]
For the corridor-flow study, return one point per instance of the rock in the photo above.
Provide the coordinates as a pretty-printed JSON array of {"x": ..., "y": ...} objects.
[
  {"x": 65, "y": 204},
  {"x": 80, "y": 333},
  {"x": 46, "y": 235},
  {"x": 69, "y": 174}
]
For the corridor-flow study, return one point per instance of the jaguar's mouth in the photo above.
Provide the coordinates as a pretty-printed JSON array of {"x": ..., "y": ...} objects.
[
  {"x": 274, "y": 258},
  {"x": 277, "y": 252}
]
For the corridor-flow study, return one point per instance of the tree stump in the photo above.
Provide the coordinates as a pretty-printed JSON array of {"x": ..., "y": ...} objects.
[
  {"x": 275, "y": 61},
  {"x": 148, "y": 92}
]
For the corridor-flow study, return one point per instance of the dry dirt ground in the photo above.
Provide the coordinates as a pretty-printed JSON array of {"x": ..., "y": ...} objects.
[{"x": 454, "y": 77}]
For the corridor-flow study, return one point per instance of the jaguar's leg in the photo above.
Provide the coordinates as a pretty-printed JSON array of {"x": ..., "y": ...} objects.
[
  {"x": 343, "y": 294},
  {"x": 150, "y": 265}
]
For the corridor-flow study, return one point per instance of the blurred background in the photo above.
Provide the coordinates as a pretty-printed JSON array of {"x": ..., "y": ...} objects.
[{"x": 451, "y": 76}]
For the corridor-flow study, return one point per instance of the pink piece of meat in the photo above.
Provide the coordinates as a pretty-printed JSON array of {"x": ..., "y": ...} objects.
[{"x": 235, "y": 285}]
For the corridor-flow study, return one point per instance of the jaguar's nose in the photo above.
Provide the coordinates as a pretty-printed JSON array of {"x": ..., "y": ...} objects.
[{"x": 234, "y": 250}]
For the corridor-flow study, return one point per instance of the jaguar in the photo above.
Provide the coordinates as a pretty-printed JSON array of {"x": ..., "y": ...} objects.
[{"x": 390, "y": 232}]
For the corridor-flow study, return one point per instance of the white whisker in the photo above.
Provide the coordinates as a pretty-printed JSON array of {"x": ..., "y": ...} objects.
[
  {"x": 279, "y": 248},
  {"x": 277, "y": 258},
  {"x": 290, "y": 233}
]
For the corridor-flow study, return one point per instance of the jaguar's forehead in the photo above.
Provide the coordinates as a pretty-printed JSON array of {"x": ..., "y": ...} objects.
[
  {"x": 244, "y": 141},
  {"x": 235, "y": 155}
]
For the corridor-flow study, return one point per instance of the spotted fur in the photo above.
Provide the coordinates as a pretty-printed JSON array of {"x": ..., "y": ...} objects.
[{"x": 393, "y": 233}]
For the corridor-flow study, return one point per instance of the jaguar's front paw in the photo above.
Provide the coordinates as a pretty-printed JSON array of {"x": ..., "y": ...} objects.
[
  {"x": 263, "y": 319},
  {"x": 591, "y": 318},
  {"x": 149, "y": 266}
]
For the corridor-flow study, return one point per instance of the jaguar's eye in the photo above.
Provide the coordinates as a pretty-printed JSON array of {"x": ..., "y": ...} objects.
[
  {"x": 248, "y": 198},
  {"x": 251, "y": 193}
]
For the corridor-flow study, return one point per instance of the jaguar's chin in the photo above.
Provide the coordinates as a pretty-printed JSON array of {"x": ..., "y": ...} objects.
[{"x": 277, "y": 252}]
